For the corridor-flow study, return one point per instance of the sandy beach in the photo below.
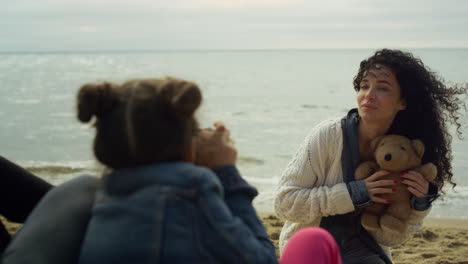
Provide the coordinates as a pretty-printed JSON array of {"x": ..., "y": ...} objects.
[{"x": 441, "y": 241}]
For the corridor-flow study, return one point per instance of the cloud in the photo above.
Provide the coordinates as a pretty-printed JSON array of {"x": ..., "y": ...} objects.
[
  {"x": 229, "y": 24},
  {"x": 147, "y": 4}
]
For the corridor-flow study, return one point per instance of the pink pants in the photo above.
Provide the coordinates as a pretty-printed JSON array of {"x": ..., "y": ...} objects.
[{"x": 311, "y": 246}]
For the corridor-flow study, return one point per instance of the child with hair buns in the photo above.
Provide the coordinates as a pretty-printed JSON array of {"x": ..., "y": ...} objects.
[
  {"x": 157, "y": 206},
  {"x": 172, "y": 193},
  {"x": 154, "y": 205}
]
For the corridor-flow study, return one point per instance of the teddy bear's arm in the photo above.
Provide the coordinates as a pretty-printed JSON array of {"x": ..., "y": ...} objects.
[
  {"x": 428, "y": 170},
  {"x": 365, "y": 170}
]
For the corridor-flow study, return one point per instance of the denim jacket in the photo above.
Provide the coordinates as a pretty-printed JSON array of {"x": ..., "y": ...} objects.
[{"x": 175, "y": 213}]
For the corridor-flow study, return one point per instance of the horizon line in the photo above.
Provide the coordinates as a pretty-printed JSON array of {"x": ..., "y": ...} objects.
[{"x": 220, "y": 50}]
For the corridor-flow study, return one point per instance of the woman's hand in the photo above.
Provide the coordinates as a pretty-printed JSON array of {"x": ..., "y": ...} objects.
[
  {"x": 376, "y": 186},
  {"x": 214, "y": 148},
  {"x": 415, "y": 183}
]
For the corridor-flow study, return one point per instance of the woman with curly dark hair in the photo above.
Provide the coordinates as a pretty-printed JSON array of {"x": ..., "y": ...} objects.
[
  {"x": 430, "y": 107},
  {"x": 396, "y": 94}
]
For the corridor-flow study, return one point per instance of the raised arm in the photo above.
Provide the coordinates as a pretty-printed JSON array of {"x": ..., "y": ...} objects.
[
  {"x": 235, "y": 222},
  {"x": 231, "y": 214}
]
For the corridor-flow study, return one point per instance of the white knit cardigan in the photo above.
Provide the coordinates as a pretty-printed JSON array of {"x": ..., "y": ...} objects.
[{"x": 312, "y": 187}]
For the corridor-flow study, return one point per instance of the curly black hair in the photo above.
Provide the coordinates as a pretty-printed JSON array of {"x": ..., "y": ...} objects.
[{"x": 431, "y": 107}]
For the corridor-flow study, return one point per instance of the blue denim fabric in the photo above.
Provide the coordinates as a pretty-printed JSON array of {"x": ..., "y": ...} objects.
[
  {"x": 359, "y": 194},
  {"x": 175, "y": 213},
  {"x": 423, "y": 203}
]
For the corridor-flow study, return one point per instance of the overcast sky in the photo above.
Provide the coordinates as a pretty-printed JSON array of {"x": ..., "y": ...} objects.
[{"x": 74, "y": 25}]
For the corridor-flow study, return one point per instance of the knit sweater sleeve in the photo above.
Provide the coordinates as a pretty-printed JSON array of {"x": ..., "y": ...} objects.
[{"x": 312, "y": 185}]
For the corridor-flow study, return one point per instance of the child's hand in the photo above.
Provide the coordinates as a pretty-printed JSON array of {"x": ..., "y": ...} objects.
[{"x": 214, "y": 148}]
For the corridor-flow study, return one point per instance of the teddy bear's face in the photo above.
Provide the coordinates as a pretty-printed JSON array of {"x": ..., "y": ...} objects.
[{"x": 397, "y": 153}]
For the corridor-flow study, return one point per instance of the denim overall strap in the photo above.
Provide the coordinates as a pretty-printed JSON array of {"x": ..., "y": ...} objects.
[{"x": 347, "y": 227}]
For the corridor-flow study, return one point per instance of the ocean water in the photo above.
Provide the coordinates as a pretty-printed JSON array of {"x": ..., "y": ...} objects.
[{"x": 269, "y": 99}]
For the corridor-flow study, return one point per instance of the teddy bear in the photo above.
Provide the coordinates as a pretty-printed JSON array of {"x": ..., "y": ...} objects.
[{"x": 396, "y": 154}]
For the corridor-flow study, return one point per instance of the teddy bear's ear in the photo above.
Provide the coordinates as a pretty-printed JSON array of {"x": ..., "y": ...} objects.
[
  {"x": 418, "y": 146},
  {"x": 375, "y": 142}
]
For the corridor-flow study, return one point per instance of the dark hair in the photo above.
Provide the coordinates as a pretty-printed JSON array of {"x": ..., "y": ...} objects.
[
  {"x": 430, "y": 106},
  {"x": 141, "y": 121}
]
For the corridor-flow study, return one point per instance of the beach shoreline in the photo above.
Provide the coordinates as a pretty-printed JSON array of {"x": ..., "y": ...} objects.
[{"x": 441, "y": 241}]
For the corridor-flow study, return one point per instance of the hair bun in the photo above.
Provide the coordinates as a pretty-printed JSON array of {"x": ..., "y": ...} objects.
[
  {"x": 187, "y": 99},
  {"x": 94, "y": 100},
  {"x": 182, "y": 97}
]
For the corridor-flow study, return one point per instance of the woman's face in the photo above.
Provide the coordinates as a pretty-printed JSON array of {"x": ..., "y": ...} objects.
[{"x": 379, "y": 96}]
